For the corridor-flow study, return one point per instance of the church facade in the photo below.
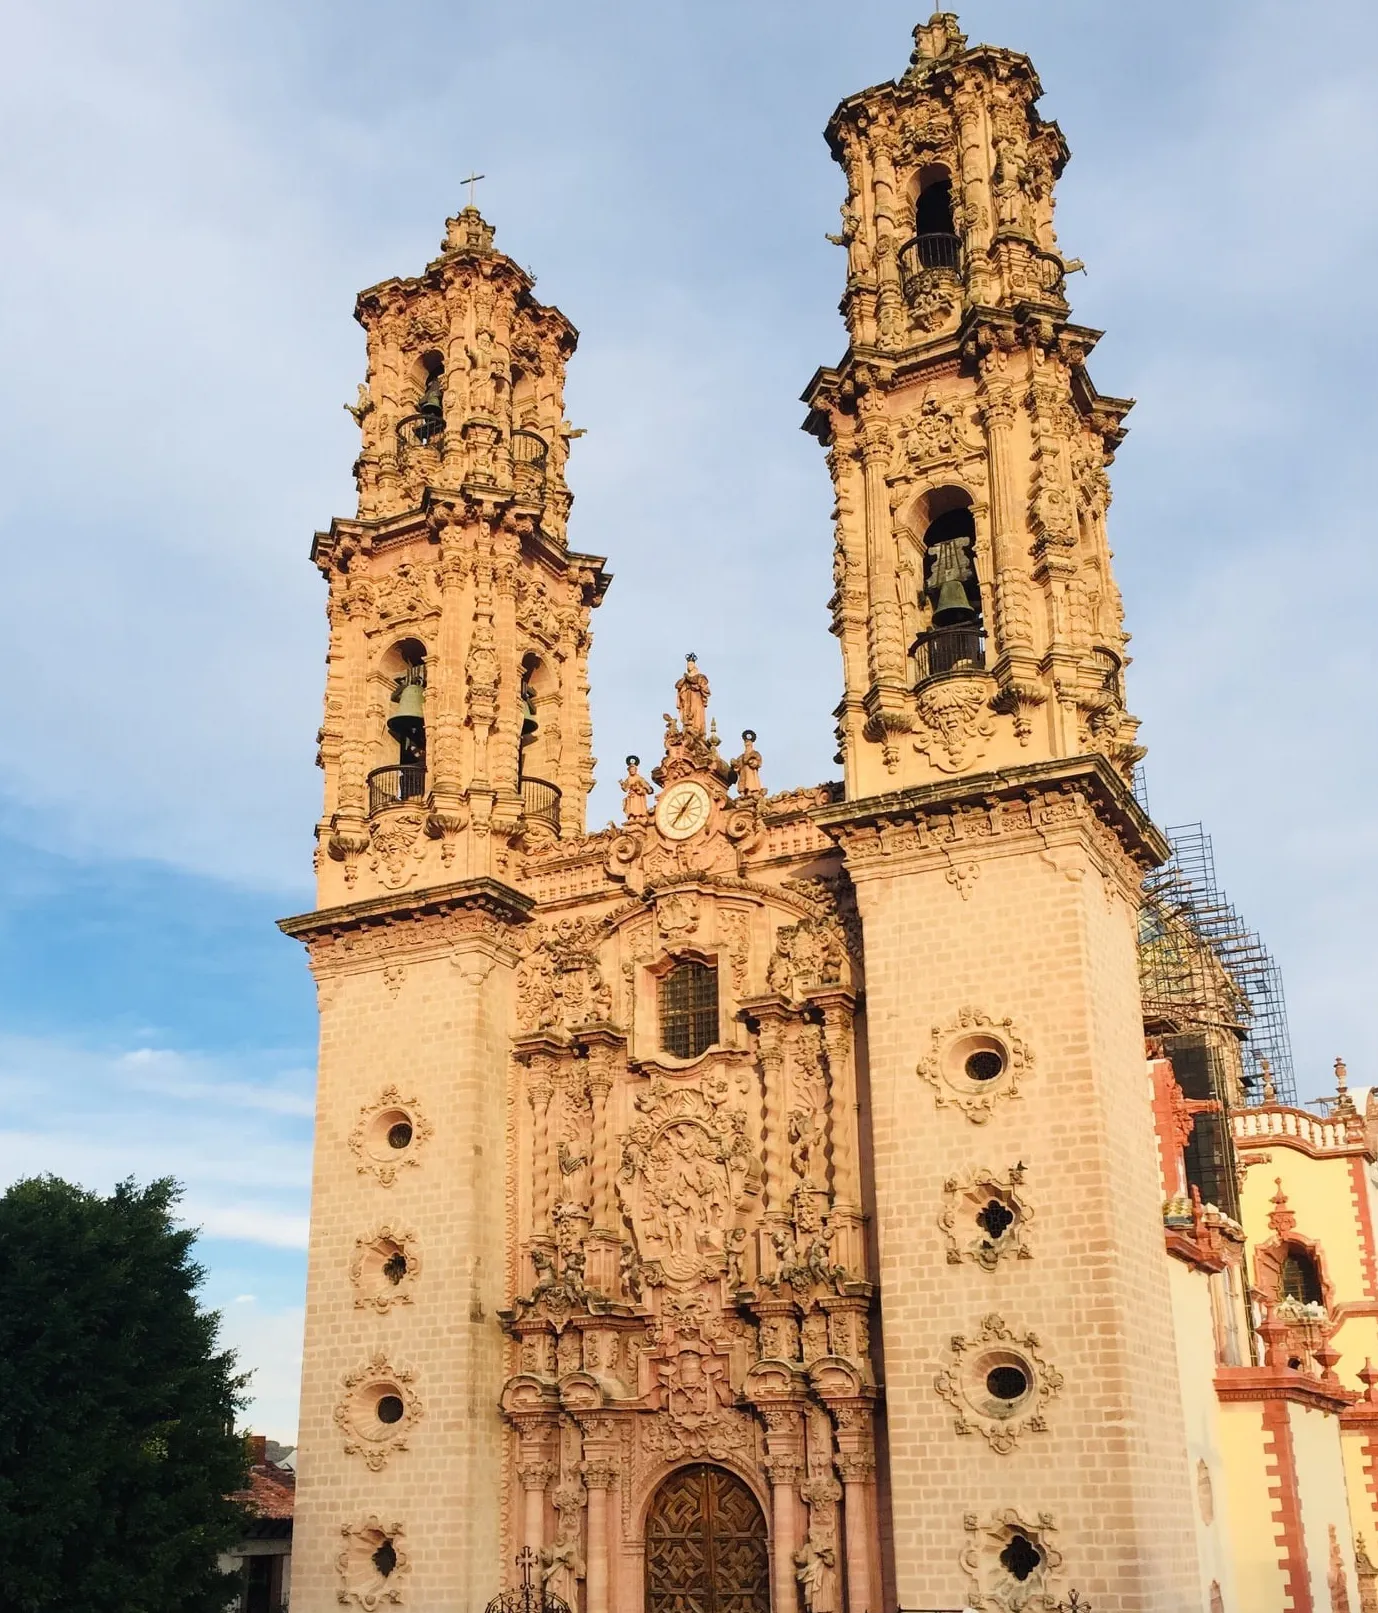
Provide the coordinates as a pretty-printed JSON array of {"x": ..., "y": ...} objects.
[{"x": 760, "y": 1203}]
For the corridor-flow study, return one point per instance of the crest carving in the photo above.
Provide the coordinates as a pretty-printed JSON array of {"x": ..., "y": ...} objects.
[
  {"x": 956, "y": 724},
  {"x": 560, "y": 981},
  {"x": 398, "y": 842}
]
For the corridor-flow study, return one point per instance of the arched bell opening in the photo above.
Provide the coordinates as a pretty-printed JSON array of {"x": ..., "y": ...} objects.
[
  {"x": 935, "y": 244},
  {"x": 425, "y": 425},
  {"x": 951, "y": 593},
  {"x": 707, "y": 1545},
  {"x": 402, "y": 777},
  {"x": 538, "y": 743}
]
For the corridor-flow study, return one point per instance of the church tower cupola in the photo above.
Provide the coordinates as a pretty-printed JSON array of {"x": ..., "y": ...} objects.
[
  {"x": 974, "y": 599},
  {"x": 456, "y": 725}
]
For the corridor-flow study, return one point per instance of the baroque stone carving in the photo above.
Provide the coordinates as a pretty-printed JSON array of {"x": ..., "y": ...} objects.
[
  {"x": 399, "y": 844},
  {"x": 985, "y": 1218},
  {"x": 385, "y": 1267},
  {"x": 377, "y": 1410},
  {"x": 975, "y": 1061},
  {"x": 373, "y": 1564},
  {"x": 956, "y": 725},
  {"x": 559, "y": 981},
  {"x": 1011, "y": 1562},
  {"x": 687, "y": 1169},
  {"x": 388, "y": 1135},
  {"x": 998, "y": 1384}
]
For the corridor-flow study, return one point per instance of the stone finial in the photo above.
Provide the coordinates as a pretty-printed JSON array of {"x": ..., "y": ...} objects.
[
  {"x": 1270, "y": 1091},
  {"x": 1325, "y": 1359},
  {"x": 1273, "y": 1331},
  {"x": 1281, "y": 1218},
  {"x": 468, "y": 231},
  {"x": 937, "y": 38}
]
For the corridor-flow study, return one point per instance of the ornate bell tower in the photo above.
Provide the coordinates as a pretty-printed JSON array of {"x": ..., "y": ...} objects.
[
  {"x": 456, "y": 741},
  {"x": 1033, "y": 1406}
]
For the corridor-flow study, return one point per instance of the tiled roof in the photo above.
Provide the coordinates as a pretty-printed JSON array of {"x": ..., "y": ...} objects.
[{"x": 271, "y": 1491}]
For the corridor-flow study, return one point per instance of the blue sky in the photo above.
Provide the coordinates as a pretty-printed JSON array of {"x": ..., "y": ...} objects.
[{"x": 192, "y": 195}]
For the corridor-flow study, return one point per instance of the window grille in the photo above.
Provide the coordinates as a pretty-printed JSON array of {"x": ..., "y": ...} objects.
[
  {"x": 1300, "y": 1280},
  {"x": 689, "y": 1009}
]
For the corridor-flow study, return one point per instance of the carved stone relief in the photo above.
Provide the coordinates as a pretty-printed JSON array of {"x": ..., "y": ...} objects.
[
  {"x": 373, "y": 1564},
  {"x": 385, "y": 1268},
  {"x": 389, "y": 1135},
  {"x": 1011, "y": 1562},
  {"x": 998, "y": 1384},
  {"x": 974, "y": 1062},
  {"x": 377, "y": 1410},
  {"x": 985, "y": 1217}
]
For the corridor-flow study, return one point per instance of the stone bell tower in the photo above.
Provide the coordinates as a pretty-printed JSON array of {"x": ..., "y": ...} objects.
[
  {"x": 456, "y": 740},
  {"x": 996, "y": 849}
]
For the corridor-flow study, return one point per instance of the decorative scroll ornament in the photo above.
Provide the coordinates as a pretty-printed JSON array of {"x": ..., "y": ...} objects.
[
  {"x": 385, "y": 1267},
  {"x": 399, "y": 845},
  {"x": 998, "y": 1384},
  {"x": 974, "y": 1062}
]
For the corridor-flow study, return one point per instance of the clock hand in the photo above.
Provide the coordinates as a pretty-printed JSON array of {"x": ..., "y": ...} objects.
[{"x": 678, "y": 817}]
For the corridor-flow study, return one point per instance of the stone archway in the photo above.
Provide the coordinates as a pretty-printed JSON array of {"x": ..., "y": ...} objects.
[{"x": 706, "y": 1545}]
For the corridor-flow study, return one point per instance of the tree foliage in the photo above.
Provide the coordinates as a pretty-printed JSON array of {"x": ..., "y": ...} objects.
[{"x": 117, "y": 1449}]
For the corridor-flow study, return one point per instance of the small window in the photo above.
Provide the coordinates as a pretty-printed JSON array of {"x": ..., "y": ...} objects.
[
  {"x": 1299, "y": 1278},
  {"x": 689, "y": 1009}
]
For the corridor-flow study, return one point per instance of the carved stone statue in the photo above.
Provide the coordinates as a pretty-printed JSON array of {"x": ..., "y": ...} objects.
[
  {"x": 691, "y": 696},
  {"x": 814, "y": 1568},
  {"x": 635, "y": 789},
  {"x": 748, "y": 766},
  {"x": 363, "y": 406},
  {"x": 562, "y": 1563}
]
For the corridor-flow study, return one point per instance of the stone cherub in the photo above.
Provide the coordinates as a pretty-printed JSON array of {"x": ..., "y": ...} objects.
[{"x": 635, "y": 789}]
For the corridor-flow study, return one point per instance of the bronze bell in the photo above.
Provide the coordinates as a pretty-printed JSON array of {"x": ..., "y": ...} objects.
[
  {"x": 530, "y": 722},
  {"x": 409, "y": 720},
  {"x": 433, "y": 398},
  {"x": 952, "y": 607}
]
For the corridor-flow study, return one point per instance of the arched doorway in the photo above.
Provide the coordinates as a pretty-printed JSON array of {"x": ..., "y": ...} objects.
[{"x": 706, "y": 1548}]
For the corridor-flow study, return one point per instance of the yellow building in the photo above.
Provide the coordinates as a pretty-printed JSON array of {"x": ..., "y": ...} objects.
[{"x": 765, "y": 1203}]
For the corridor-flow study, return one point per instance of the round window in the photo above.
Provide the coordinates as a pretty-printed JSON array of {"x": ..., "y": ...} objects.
[
  {"x": 399, "y": 1134},
  {"x": 390, "y": 1409}
]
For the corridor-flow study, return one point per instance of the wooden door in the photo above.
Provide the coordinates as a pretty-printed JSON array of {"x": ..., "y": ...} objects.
[{"x": 706, "y": 1549}]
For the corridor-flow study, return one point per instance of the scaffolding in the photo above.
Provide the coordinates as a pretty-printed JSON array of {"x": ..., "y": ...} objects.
[{"x": 1203, "y": 970}]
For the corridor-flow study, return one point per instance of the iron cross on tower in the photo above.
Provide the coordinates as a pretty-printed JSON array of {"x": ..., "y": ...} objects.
[{"x": 471, "y": 181}]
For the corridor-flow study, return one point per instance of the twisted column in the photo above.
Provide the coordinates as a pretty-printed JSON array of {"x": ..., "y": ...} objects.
[{"x": 540, "y": 1086}]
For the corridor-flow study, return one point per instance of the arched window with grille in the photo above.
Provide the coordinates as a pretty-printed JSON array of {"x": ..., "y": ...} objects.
[
  {"x": 689, "y": 1009},
  {"x": 1300, "y": 1278}
]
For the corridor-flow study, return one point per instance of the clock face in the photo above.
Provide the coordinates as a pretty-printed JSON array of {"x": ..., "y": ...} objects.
[{"x": 682, "y": 810}]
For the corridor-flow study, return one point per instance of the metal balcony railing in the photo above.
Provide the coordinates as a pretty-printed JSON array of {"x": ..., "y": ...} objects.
[
  {"x": 949, "y": 649},
  {"x": 422, "y": 431},
  {"x": 387, "y": 786},
  {"x": 541, "y": 802},
  {"x": 930, "y": 252},
  {"x": 529, "y": 455}
]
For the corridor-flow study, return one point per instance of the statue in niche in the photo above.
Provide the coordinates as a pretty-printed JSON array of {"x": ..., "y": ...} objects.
[
  {"x": 691, "y": 696},
  {"x": 635, "y": 790},
  {"x": 562, "y": 1564},
  {"x": 815, "y": 1570},
  {"x": 362, "y": 407}
]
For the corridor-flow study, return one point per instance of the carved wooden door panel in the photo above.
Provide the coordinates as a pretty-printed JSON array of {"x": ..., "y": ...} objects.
[{"x": 706, "y": 1546}]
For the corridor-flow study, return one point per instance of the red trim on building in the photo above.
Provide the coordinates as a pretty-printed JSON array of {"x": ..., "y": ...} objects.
[
  {"x": 1281, "y": 1463},
  {"x": 1281, "y": 1384},
  {"x": 1358, "y": 1189}
]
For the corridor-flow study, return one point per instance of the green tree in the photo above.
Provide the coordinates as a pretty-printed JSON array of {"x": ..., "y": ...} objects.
[{"x": 117, "y": 1449}]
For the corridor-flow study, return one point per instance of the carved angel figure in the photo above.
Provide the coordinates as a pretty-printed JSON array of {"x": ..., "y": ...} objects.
[{"x": 562, "y": 1564}]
